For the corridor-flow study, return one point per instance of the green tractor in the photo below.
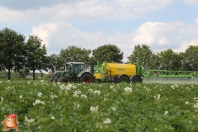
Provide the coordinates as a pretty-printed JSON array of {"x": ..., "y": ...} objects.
[{"x": 73, "y": 72}]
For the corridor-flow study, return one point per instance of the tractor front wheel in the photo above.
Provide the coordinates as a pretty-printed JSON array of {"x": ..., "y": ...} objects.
[
  {"x": 63, "y": 79},
  {"x": 87, "y": 78}
]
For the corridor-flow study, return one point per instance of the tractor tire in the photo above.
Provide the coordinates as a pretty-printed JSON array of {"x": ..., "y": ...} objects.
[
  {"x": 136, "y": 79},
  {"x": 63, "y": 79},
  {"x": 51, "y": 80},
  {"x": 124, "y": 79},
  {"x": 87, "y": 78}
]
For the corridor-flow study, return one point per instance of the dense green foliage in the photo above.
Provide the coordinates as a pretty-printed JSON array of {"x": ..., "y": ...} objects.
[
  {"x": 12, "y": 50},
  {"x": 165, "y": 60},
  {"x": 55, "y": 62},
  {"x": 18, "y": 56},
  {"x": 143, "y": 55},
  {"x": 36, "y": 57},
  {"x": 51, "y": 107},
  {"x": 108, "y": 52}
]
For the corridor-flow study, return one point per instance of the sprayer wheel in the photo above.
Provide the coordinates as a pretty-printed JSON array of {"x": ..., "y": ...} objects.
[
  {"x": 124, "y": 79},
  {"x": 136, "y": 79}
]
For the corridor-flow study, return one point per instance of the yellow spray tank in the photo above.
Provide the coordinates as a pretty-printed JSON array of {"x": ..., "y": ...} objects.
[{"x": 117, "y": 72}]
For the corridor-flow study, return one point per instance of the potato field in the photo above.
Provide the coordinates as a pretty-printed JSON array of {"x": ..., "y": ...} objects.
[{"x": 100, "y": 107}]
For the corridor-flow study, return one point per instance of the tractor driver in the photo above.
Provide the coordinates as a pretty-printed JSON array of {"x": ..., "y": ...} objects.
[{"x": 76, "y": 70}]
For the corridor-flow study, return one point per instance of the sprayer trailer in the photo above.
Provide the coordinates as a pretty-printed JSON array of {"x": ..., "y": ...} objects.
[
  {"x": 73, "y": 72},
  {"x": 117, "y": 72}
]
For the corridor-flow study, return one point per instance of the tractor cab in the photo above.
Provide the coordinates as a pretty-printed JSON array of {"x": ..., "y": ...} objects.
[{"x": 74, "y": 68}]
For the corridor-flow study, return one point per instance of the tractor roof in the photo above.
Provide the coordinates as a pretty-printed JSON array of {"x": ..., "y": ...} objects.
[{"x": 75, "y": 63}]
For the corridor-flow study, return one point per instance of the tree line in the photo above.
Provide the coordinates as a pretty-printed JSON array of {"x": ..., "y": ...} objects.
[
  {"x": 166, "y": 60},
  {"x": 20, "y": 56}
]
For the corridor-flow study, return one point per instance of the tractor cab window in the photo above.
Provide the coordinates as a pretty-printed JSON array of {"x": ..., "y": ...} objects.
[
  {"x": 81, "y": 67},
  {"x": 76, "y": 69},
  {"x": 68, "y": 67}
]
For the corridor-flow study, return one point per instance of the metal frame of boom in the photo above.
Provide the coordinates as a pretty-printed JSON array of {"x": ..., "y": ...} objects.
[{"x": 170, "y": 74}]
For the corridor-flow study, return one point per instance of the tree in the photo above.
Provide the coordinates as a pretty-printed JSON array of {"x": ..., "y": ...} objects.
[
  {"x": 108, "y": 52},
  {"x": 169, "y": 60},
  {"x": 154, "y": 61},
  {"x": 55, "y": 62},
  {"x": 143, "y": 55},
  {"x": 2, "y": 59},
  {"x": 12, "y": 49},
  {"x": 190, "y": 59},
  {"x": 36, "y": 57},
  {"x": 73, "y": 53}
]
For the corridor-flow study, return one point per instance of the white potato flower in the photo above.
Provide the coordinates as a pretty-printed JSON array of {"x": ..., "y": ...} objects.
[
  {"x": 84, "y": 96},
  {"x": 39, "y": 94},
  {"x": 53, "y": 96},
  {"x": 97, "y": 92},
  {"x": 94, "y": 109},
  {"x": 107, "y": 121},
  {"x": 29, "y": 120},
  {"x": 90, "y": 90},
  {"x": 38, "y": 102},
  {"x": 166, "y": 112},
  {"x": 74, "y": 87},
  {"x": 128, "y": 90},
  {"x": 1, "y": 99},
  {"x": 68, "y": 87},
  {"x": 114, "y": 108},
  {"x": 62, "y": 87},
  {"x": 196, "y": 105},
  {"x": 76, "y": 93},
  {"x": 78, "y": 106},
  {"x": 53, "y": 117},
  {"x": 186, "y": 102},
  {"x": 158, "y": 96}
]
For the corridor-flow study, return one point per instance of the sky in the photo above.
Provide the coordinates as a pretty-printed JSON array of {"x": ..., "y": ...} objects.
[{"x": 88, "y": 24}]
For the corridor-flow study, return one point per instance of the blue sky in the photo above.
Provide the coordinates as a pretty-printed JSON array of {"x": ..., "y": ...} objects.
[{"x": 92, "y": 23}]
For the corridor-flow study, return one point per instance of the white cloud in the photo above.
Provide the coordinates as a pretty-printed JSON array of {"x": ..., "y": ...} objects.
[
  {"x": 143, "y": 5},
  {"x": 44, "y": 32},
  {"x": 164, "y": 41},
  {"x": 196, "y": 20},
  {"x": 192, "y": 2},
  {"x": 62, "y": 35},
  {"x": 84, "y": 10},
  {"x": 190, "y": 30},
  {"x": 7, "y": 15},
  {"x": 151, "y": 33},
  {"x": 185, "y": 45}
]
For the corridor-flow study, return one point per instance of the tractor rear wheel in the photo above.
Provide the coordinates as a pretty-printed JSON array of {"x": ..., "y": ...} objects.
[
  {"x": 87, "y": 78},
  {"x": 63, "y": 79},
  {"x": 124, "y": 79}
]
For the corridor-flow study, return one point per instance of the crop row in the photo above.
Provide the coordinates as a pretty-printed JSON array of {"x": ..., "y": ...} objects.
[{"x": 76, "y": 107}]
